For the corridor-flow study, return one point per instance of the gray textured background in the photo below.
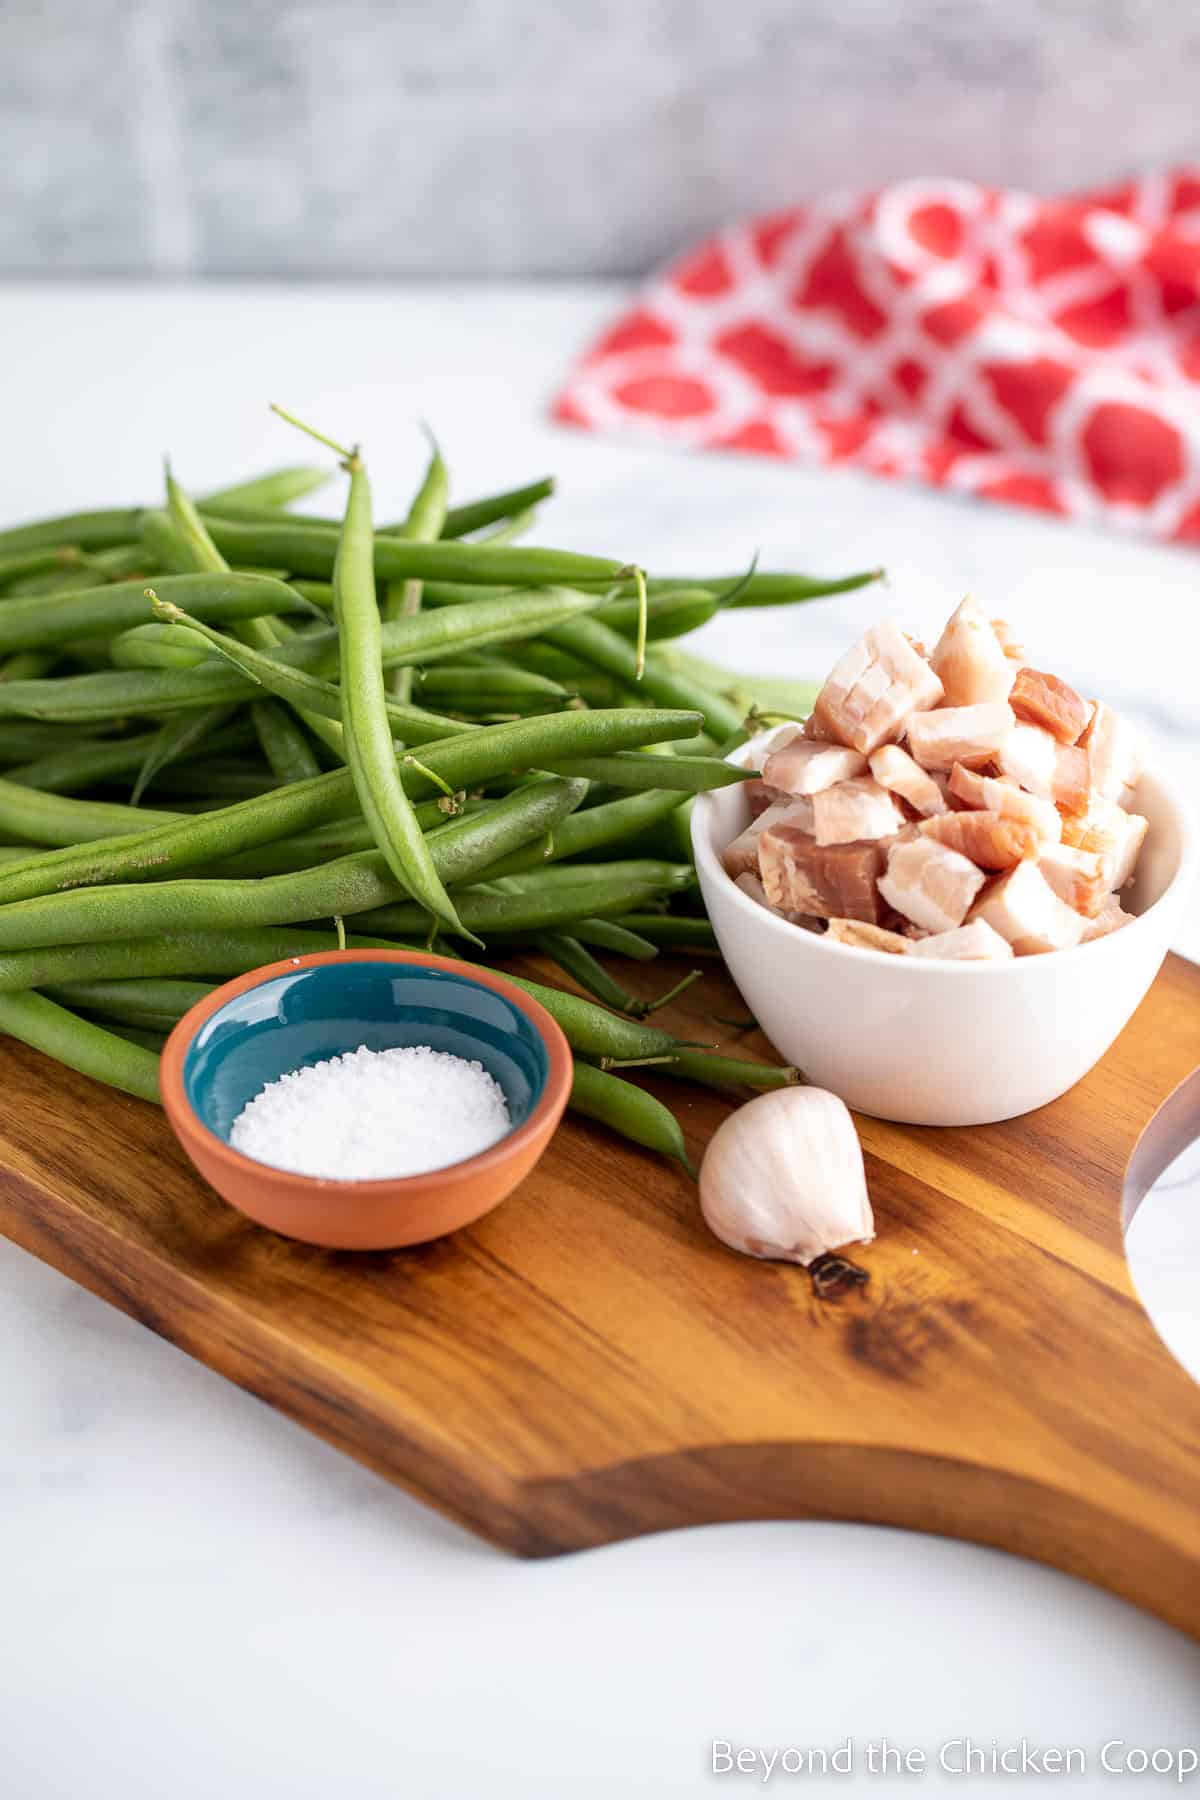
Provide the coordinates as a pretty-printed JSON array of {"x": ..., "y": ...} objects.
[{"x": 455, "y": 137}]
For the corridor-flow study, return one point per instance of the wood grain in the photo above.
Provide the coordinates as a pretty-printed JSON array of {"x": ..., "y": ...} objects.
[{"x": 587, "y": 1363}]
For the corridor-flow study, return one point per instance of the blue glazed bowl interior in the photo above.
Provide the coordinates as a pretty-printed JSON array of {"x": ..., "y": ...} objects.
[{"x": 294, "y": 1020}]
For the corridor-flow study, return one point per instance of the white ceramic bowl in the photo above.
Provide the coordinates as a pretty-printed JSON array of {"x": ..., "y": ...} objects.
[{"x": 943, "y": 1043}]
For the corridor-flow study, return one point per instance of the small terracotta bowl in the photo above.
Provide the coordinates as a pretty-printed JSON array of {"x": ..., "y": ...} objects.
[{"x": 291, "y": 1014}]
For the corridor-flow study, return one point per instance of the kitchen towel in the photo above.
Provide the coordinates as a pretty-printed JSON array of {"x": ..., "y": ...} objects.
[{"x": 1045, "y": 352}]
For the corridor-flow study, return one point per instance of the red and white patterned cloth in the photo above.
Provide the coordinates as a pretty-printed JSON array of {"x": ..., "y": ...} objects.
[{"x": 1039, "y": 351}]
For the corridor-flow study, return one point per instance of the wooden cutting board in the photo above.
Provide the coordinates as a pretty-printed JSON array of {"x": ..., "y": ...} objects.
[{"x": 588, "y": 1363}]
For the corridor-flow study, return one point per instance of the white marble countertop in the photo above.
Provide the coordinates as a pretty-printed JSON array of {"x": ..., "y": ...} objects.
[{"x": 198, "y": 1599}]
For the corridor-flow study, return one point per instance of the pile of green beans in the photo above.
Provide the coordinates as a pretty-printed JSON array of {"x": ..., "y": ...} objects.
[{"x": 225, "y": 728}]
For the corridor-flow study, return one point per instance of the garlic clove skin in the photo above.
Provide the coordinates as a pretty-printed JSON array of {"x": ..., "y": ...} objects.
[{"x": 783, "y": 1178}]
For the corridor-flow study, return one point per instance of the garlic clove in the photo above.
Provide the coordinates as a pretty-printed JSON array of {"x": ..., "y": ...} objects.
[{"x": 783, "y": 1178}]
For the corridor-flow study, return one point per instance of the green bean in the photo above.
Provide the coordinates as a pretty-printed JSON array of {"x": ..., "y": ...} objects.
[
  {"x": 629, "y": 1111},
  {"x": 587, "y": 1027},
  {"x": 21, "y": 740},
  {"x": 118, "y": 525},
  {"x": 90, "y": 531},
  {"x": 508, "y": 530},
  {"x": 582, "y": 875},
  {"x": 350, "y": 885},
  {"x": 28, "y": 665},
  {"x": 669, "y": 614},
  {"x": 472, "y": 517},
  {"x": 104, "y": 611},
  {"x": 340, "y": 838},
  {"x": 177, "y": 737},
  {"x": 614, "y": 935},
  {"x": 761, "y": 587},
  {"x": 575, "y": 960},
  {"x": 365, "y": 722},
  {"x": 159, "y": 1005},
  {"x": 670, "y": 929},
  {"x": 426, "y": 516},
  {"x": 310, "y": 549},
  {"x": 54, "y": 820},
  {"x": 158, "y": 646},
  {"x": 149, "y": 693},
  {"x": 83, "y": 765},
  {"x": 495, "y": 914},
  {"x": 183, "y": 843},
  {"x": 613, "y": 655},
  {"x": 278, "y": 487},
  {"x": 218, "y": 953},
  {"x": 629, "y": 768},
  {"x": 213, "y": 782},
  {"x": 164, "y": 544},
  {"x": 18, "y": 564},
  {"x": 496, "y": 682},
  {"x": 131, "y": 1034},
  {"x": 785, "y": 590},
  {"x": 729, "y": 1071},
  {"x": 79, "y": 1044},
  {"x": 610, "y": 823},
  {"x": 310, "y": 695},
  {"x": 283, "y": 743}
]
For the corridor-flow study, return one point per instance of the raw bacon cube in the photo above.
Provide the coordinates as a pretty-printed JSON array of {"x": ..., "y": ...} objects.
[
  {"x": 969, "y": 659},
  {"x": 874, "y": 688},
  {"x": 1114, "y": 752},
  {"x": 1044, "y": 700},
  {"x": 991, "y": 840},
  {"x": 853, "y": 810},
  {"x": 895, "y": 769},
  {"x": 1024, "y": 908},
  {"x": 960, "y": 734},
  {"x": 929, "y": 884},
  {"x": 988, "y": 794},
  {"x": 830, "y": 881},
  {"x": 976, "y": 942},
  {"x": 804, "y": 768}
]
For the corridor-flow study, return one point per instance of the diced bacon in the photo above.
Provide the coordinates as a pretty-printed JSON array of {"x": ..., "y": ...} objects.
[
  {"x": 929, "y": 884},
  {"x": 741, "y": 856},
  {"x": 976, "y": 942},
  {"x": 962, "y": 734},
  {"x": 853, "y": 810},
  {"x": 969, "y": 659},
  {"x": 803, "y": 767},
  {"x": 873, "y": 689},
  {"x": 1041, "y": 699},
  {"x": 1023, "y": 907},
  {"x": 895, "y": 769},
  {"x": 992, "y": 840},
  {"x": 867, "y": 937},
  {"x": 831, "y": 881},
  {"x": 751, "y": 885},
  {"x": 1111, "y": 917},
  {"x": 1114, "y": 752},
  {"x": 1077, "y": 876},
  {"x": 989, "y": 794},
  {"x": 759, "y": 796},
  {"x": 1008, "y": 643},
  {"x": 1053, "y": 771},
  {"x": 816, "y": 733},
  {"x": 1111, "y": 833}
]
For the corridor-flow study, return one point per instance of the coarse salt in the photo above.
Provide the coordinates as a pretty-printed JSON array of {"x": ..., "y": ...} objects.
[{"x": 374, "y": 1114}]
